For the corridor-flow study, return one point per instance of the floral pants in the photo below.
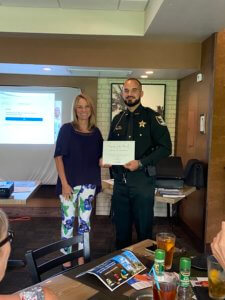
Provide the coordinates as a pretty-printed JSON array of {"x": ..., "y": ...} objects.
[{"x": 81, "y": 201}]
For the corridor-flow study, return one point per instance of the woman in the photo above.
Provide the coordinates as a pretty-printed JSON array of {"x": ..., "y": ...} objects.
[
  {"x": 36, "y": 292},
  {"x": 77, "y": 154}
]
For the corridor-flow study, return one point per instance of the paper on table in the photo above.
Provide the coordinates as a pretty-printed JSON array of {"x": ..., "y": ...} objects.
[
  {"x": 118, "y": 152},
  {"x": 22, "y": 189}
]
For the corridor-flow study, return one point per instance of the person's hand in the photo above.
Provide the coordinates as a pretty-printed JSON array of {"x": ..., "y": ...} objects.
[
  {"x": 67, "y": 191},
  {"x": 132, "y": 165},
  {"x": 218, "y": 246},
  {"x": 102, "y": 165}
]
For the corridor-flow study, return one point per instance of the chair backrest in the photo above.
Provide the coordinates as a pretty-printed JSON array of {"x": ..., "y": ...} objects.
[{"x": 32, "y": 256}]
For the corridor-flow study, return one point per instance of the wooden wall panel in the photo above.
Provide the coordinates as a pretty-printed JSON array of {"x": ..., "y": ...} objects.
[
  {"x": 215, "y": 213},
  {"x": 194, "y": 99},
  {"x": 187, "y": 118},
  {"x": 118, "y": 52}
]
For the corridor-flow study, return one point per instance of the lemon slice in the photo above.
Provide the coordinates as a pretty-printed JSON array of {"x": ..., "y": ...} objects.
[
  {"x": 169, "y": 245},
  {"x": 214, "y": 275}
]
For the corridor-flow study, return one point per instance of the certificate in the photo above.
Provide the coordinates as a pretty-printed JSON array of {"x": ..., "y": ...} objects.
[{"x": 118, "y": 152}]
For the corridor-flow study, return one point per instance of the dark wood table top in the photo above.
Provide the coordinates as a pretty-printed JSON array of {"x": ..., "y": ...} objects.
[{"x": 67, "y": 286}]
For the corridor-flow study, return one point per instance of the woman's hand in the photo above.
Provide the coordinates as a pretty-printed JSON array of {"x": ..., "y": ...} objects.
[
  {"x": 67, "y": 191},
  {"x": 218, "y": 246}
]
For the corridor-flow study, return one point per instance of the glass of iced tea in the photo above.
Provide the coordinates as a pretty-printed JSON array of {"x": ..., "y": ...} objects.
[
  {"x": 168, "y": 287},
  {"x": 216, "y": 277},
  {"x": 166, "y": 241}
]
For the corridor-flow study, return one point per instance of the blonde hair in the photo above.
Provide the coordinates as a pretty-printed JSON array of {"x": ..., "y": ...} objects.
[
  {"x": 91, "y": 121},
  {"x": 4, "y": 224}
]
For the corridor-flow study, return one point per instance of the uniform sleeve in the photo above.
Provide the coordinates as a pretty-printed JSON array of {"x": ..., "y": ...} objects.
[
  {"x": 161, "y": 140},
  {"x": 62, "y": 143},
  {"x": 112, "y": 127}
]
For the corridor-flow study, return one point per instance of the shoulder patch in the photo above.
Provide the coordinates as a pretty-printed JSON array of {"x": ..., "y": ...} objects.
[{"x": 160, "y": 120}]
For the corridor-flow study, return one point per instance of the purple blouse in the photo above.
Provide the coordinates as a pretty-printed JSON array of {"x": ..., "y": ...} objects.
[{"x": 80, "y": 154}]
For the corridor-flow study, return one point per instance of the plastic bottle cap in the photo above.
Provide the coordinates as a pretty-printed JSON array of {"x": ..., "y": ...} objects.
[
  {"x": 185, "y": 263},
  {"x": 160, "y": 254}
]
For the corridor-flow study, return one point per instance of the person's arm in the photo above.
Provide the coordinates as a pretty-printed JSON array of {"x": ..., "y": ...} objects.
[
  {"x": 163, "y": 146},
  {"x": 218, "y": 246},
  {"x": 31, "y": 292},
  {"x": 10, "y": 297},
  {"x": 61, "y": 150},
  {"x": 66, "y": 188},
  {"x": 161, "y": 139}
]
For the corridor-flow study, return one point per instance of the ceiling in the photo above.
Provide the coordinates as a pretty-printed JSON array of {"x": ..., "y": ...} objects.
[
  {"x": 179, "y": 20},
  {"x": 138, "y": 5}
]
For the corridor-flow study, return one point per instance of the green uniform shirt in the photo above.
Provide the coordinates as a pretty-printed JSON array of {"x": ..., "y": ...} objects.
[{"x": 150, "y": 133}]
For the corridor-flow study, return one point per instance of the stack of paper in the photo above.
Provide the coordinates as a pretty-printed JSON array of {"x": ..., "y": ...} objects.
[{"x": 171, "y": 193}]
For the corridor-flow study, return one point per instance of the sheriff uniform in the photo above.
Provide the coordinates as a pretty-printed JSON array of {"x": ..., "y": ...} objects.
[{"x": 133, "y": 193}]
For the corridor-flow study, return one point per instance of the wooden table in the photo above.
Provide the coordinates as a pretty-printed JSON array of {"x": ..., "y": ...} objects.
[
  {"x": 107, "y": 187},
  {"x": 22, "y": 192},
  {"x": 87, "y": 286},
  {"x": 67, "y": 287},
  {"x": 187, "y": 190}
]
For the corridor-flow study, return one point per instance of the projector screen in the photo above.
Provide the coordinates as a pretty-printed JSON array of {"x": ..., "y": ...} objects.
[{"x": 30, "y": 119}]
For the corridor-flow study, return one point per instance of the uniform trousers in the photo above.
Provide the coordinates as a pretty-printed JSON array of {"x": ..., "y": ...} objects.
[
  {"x": 133, "y": 203},
  {"x": 81, "y": 200}
]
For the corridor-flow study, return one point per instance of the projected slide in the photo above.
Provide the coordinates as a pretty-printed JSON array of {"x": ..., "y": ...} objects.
[{"x": 27, "y": 118}]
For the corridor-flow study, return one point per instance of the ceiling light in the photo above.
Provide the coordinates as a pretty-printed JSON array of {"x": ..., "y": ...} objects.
[
  {"x": 144, "y": 76},
  {"x": 149, "y": 72},
  {"x": 47, "y": 69},
  {"x": 99, "y": 72}
]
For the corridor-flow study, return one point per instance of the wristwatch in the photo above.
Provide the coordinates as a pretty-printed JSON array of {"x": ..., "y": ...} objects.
[{"x": 140, "y": 166}]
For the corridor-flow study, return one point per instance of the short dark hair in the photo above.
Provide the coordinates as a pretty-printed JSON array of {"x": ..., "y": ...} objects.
[{"x": 135, "y": 79}]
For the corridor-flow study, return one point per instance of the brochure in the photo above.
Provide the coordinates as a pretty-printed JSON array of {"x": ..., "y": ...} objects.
[
  {"x": 141, "y": 281},
  {"x": 200, "y": 281},
  {"x": 117, "y": 270}
]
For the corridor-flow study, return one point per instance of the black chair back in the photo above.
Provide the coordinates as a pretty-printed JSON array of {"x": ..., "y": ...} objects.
[{"x": 32, "y": 256}]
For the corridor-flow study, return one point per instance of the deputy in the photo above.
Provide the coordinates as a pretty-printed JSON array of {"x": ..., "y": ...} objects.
[{"x": 134, "y": 183}]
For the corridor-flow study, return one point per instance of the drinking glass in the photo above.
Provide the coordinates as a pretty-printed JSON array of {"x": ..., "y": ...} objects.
[
  {"x": 166, "y": 241},
  {"x": 216, "y": 277},
  {"x": 168, "y": 287}
]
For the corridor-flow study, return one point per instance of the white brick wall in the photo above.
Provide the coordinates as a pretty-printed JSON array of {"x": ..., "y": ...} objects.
[{"x": 103, "y": 122}]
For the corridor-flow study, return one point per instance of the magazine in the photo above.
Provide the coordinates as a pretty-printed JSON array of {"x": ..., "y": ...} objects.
[
  {"x": 141, "y": 281},
  {"x": 117, "y": 270}
]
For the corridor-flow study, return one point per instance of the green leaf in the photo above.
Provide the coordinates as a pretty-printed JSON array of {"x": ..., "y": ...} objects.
[
  {"x": 82, "y": 204},
  {"x": 65, "y": 230},
  {"x": 76, "y": 191},
  {"x": 65, "y": 210}
]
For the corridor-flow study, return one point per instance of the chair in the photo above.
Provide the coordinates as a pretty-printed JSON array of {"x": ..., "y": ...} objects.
[{"x": 32, "y": 256}]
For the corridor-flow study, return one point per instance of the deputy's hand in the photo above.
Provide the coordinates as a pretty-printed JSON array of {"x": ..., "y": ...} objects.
[
  {"x": 218, "y": 246},
  {"x": 67, "y": 191},
  {"x": 132, "y": 165},
  {"x": 102, "y": 165}
]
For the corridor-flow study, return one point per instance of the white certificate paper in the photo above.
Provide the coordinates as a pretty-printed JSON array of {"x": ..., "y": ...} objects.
[{"x": 118, "y": 152}]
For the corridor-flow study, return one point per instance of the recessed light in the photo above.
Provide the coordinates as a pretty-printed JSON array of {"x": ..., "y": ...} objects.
[
  {"x": 47, "y": 69},
  {"x": 149, "y": 72},
  {"x": 144, "y": 76}
]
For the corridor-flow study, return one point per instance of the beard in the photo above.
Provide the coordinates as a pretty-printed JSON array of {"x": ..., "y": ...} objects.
[{"x": 129, "y": 102}]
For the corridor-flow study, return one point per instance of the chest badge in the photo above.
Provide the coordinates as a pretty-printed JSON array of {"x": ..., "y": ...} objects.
[
  {"x": 142, "y": 124},
  {"x": 118, "y": 127}
]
